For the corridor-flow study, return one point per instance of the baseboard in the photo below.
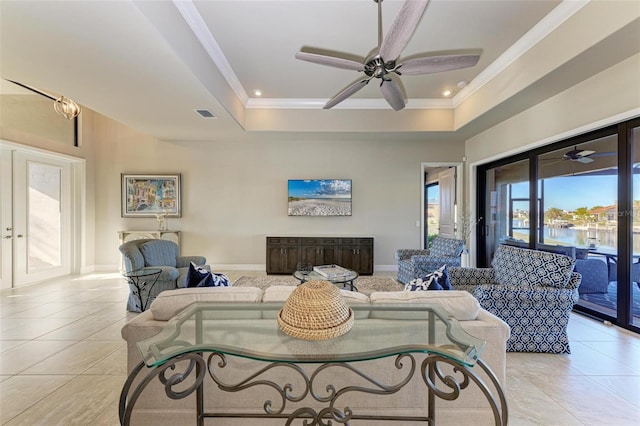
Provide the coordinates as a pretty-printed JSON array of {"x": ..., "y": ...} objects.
[
  {"x": 225, "y": 267},
  {"x": 105, "y": 268},
  {"x": 238, "y": 267},
  {"x": 385, "y": 268}
]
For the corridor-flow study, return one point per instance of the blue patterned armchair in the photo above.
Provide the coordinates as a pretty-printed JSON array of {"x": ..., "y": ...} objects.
[
  {"x": 161, "y": 254},
  {"x": 532, "y": 291},
  {"x": 414, "y": 263}
]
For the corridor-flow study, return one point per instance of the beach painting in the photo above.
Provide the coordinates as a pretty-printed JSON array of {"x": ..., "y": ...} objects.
[{"x": 320, "y": 197}]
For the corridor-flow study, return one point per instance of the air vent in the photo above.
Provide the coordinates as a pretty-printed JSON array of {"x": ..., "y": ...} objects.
[{"x": 205, "y": 113}]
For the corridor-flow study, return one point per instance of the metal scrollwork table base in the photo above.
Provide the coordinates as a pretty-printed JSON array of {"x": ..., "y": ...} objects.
[{"x": 182, "y": 366}]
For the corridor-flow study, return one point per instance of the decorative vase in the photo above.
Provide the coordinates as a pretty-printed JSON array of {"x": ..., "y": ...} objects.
[{"x": 464, "y": 258}]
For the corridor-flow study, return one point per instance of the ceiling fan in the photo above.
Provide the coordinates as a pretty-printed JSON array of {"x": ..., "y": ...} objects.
[
  {"x": 584, "y": 156},
  {"x": 382, "y": 62},
  {"x": 579, "y": 155}
]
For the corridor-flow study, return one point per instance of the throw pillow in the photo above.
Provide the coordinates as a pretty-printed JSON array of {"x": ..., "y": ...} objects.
[
  {"x": 198, "y": 276},
  {"x": 437, "y": 280}
]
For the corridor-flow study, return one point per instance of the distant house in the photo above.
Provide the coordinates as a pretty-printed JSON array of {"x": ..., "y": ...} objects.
[{"x": 605, "y": 214}]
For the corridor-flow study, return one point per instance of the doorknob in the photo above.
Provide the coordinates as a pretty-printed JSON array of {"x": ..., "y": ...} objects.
[
  {"x": 7, "y": 237},
  {"x": 19, "y": 235},
  {"x": 9, "y": 228}
]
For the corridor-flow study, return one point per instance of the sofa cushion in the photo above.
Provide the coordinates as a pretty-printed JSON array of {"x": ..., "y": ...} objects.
[
  {"x": 158, "y": 253},
  {"x": 280, "y": 293},
  {"x": 169, "y": 303},
  {"x": 518, "y": 266},
  {"x": 549, "y": 248},
  {"x": 437, "y": 280},
  {"x": 459, "y": 303}
]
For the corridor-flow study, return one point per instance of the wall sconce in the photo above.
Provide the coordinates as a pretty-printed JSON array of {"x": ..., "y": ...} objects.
[{"x": 66, "y": 107}]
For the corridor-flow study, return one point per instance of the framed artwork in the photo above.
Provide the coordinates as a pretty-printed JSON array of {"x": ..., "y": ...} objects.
[{"x": 151, "y": 195}]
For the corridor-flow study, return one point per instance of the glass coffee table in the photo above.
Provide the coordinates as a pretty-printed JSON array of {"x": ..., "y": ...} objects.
[
  {"x": 211, "y": 338},
  {"x": 303, "y": 277}
]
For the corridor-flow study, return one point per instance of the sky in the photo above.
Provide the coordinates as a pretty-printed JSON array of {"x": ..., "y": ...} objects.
[
  {"x": 571, "y": 192},
  {"x": 327, "y": 188}
]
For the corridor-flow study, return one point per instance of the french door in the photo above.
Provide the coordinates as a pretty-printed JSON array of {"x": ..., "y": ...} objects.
[{"x": 35, "y": 217}]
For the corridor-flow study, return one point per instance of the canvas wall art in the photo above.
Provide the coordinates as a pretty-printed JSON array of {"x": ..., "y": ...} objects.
[{"x": 150, "y": 195}]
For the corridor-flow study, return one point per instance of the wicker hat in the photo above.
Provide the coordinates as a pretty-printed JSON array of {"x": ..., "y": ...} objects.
[{"x": 315, "y": 310}]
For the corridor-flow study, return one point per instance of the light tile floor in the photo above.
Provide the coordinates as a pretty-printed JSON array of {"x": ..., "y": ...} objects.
[{"x": 63, "y": 362}]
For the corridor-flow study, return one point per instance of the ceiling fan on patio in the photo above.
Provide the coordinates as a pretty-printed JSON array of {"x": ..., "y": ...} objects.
[
  {"x": 584, "y": 156},
  {"x": 382, "y": 62},
  {"x": 579, "y": 155}
]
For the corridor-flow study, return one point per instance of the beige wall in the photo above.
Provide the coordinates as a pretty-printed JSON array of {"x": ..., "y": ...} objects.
[
  {"x": 610, "y": 96},
  {"x": 234, "y": 193}
]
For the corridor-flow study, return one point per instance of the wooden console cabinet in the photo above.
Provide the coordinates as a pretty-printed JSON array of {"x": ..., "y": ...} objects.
[{"x": 283, "y": 253}]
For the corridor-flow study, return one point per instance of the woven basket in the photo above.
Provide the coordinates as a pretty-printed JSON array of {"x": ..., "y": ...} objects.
[{"x": 315, "y": 310}]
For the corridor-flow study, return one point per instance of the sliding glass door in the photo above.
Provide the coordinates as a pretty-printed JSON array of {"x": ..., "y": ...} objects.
[{"x": 585, "y": 193}]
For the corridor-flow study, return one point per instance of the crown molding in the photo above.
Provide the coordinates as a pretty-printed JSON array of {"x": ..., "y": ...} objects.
[
  {"x": 546, "y": 26},
  {"x": 195, "y": 21},
  {"x": 352, "y": 103}
]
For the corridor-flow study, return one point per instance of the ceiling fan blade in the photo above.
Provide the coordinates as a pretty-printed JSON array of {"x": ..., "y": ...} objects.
[
  {"x": 345, "y": 93},
  {"x": 584, "y": 160},
  {"x": 402, "y": 29},
  {"x": 433, "y": 64},
  {"x": 585, "y": 153},
  {"x": 392, "y": 93},
  {"x": 330, "y": 61}
]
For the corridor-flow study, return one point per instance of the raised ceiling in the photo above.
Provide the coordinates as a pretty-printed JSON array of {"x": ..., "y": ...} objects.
[{"x": 149, "y": 64}]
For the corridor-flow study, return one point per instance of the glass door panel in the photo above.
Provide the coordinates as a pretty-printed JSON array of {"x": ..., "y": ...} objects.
[
  {"x": 432, "y": 218},
  {"x": 507, "y": 206},
  {"x": 635, "y": 214},
  {"x": 44, "y": 216},
  {"x": 578, "y": 190}
]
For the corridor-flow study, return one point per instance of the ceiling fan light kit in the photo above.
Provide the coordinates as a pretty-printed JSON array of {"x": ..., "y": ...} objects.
[{"x": 383, "y": 63}]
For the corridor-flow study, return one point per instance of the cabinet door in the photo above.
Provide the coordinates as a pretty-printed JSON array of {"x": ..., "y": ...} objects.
[
  {"x": 274, "y": 260},
  {"x": 365, "y": 260},
  {"x": 312, "y": 254},
  {"x": 290, "y": 259},
  {"x": 283, "y": 254},
  {"x": 348, "y": 258},
  {"x": 365, "y": 254}
]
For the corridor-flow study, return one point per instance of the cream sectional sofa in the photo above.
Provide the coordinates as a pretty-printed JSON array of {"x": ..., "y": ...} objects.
[{"x": 155, "y": 408}]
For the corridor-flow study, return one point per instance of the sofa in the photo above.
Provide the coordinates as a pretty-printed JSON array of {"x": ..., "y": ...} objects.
[
  {"x": 155, "y": 408},
  {"x": 415, "y": 263},
  {"x": 160, "y": 254},
  {"x": 533, "y": 291}
]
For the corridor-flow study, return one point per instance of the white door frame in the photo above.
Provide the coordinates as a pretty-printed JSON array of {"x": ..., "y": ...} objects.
[
  {"x": 459, "y": 190},
  {"x": 77, "y": 212}
]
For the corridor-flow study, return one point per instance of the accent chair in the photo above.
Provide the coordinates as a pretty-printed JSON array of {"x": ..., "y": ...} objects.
[
  {"x": 160, "y": 254},
  {"x": 532, "y": 291},
  {"x": 413, "y": 263}
]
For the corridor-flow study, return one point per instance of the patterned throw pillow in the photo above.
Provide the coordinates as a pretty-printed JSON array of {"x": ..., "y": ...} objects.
[
  {"x": 198, "y": 276},
  {"x": 437, "y": 280}
]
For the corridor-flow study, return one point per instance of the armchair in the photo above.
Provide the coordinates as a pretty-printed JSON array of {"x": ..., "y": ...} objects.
[
  {"x": 414, "y": 263},
  {"x": 160, "y": 254},
  {"x": 530, "y": 290}
]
